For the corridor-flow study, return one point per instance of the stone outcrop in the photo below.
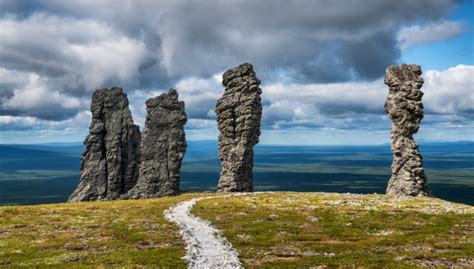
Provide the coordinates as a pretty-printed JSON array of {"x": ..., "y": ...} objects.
[
  {"x": 239, "y": 112},
  {"x": 109, "y": 163},
  {"x": 162, "y": 148},
  {"x": 405, "y": 108}
]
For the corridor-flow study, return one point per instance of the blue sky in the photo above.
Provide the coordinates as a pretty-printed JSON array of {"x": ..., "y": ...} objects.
[
  {"x": 321, "y": 65},
  {"x": 443, "y": 54}
]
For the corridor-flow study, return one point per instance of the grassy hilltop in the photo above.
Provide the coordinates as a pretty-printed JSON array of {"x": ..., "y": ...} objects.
[{"x": 268, "y": 229}]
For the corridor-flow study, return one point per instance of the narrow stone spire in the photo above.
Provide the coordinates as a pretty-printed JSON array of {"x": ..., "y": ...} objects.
[
  {"x": 405, "y": 108},
  {"x": 239, "y": 112},
  {"x": 109, "y": 163},
  {"x": 162, "y": 148}
]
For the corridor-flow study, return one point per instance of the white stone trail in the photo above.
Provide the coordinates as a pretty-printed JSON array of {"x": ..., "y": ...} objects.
[{"x": 206, "y": 248}]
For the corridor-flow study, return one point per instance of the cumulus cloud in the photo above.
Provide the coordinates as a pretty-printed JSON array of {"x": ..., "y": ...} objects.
[
  {"x": 344, "y": 106},
  {"x": 199, "y": 94},
  {"x": 411, "y": 36},
  {"x": 28, "y": 122},
  {"x": 66, "y": 61},
  {"x": 321, "y": 64},
  {"x": 338, "y": 109},
  {"x": 302, "y": 37},
  {"x": 91, "y": 51},
  {"x": 359, "y": 105},
  {"x": 188, "y": 38},
  {"x": 450, "y": 91},
  {"x": 37, "y": 99},
  {"x": 79, "y": 123},
  {"x": 32, "y": 130}
]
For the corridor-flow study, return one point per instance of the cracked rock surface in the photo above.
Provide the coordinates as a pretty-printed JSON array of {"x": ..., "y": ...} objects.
[
  {"x": 162, "y": 147},
  {"x": 404, "y": 107},
  {"x": 109, "y": 163},
  {"x": 239, "y": 112}
]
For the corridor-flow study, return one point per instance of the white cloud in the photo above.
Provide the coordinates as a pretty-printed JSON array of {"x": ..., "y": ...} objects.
[
  {"x": 337, "y": 110},
  {"x": 68, "y": 59},
  {"x": 342, "y": 106},
  {"x": 198, "y": 38},
  {"x": 27, "y": 121},
  {"x": 312, "y": 58},
  {"x": 108, "y": 60},
  {"x": 412, "y": 36},
  {"x": 450, "y": 91},
  {"x": 31, "y": 130},
  {"x": 63, "y": 45},
  {"x": 321, "y": 105},
  {"x": 79, "y": 123},
  {"x": 200, "y": 95},
  {"x": 9, "y": 78},
  {"x": 35, "y": 95},
  {"x": 29, "y": 94}
]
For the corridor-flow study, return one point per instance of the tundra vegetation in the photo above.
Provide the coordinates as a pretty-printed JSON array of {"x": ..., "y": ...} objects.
[{"x": 269, "y": 230}]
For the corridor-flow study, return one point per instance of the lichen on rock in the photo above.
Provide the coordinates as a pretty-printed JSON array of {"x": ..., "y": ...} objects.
[
  {"x": 405, "y": 108},
  {"x": 239, "y": 112},
  {"x": 162, "y": 148},
  {"x": 109, "y": 163}
]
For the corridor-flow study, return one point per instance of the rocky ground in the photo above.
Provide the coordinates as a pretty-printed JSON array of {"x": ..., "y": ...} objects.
[{"x": 268, "y": 230}]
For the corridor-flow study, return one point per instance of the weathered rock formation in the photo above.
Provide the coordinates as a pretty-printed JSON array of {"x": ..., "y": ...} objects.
[
  {"x": 405, "y": 108},
  {"x": 238, "y": 117},
  {"x": 162, "y": 148},
  {"x": 109, "y": 163}
]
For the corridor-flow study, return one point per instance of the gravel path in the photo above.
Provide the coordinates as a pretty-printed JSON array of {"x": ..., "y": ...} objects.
[{"x": 206, "y": 248}]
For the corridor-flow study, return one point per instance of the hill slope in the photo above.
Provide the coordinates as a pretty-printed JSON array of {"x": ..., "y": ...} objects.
[{"x": 268, "y": 230}]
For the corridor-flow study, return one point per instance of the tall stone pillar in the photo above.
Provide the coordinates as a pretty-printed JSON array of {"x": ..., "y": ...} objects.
[
  {"x": 405, "y": 108},
  {"x": 162, "y": 148},
  {"x": 109, "y": 163},
  {"x": 239, "y": 112}
]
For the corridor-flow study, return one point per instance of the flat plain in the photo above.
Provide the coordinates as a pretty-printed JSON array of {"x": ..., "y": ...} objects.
[{"x": 36, "y": 174}]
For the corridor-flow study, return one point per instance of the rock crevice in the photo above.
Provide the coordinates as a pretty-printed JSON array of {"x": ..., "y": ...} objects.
[
  {"x": 404, "y": 107},
  {"x": 239, "y": 112}
]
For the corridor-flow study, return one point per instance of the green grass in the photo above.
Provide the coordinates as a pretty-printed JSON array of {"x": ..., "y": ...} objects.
[
  {"x": 300, "y": 230},
  {"x": 112, "y": 233},
  {"x": 270, "y": 230}
]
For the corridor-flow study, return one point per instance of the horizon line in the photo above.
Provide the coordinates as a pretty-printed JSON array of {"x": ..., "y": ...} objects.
[{"x": 265, "y": 144}]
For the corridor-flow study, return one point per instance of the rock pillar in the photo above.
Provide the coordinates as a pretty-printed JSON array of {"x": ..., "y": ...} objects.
[
  {"x": 239, "y": 112},
  {"x": 405, "y": 108},
  {"x": 162, "y": 148},
  {"x": 109, "y": 163}
]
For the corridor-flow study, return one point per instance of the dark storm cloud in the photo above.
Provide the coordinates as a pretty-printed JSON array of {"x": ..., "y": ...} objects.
[
  {"x": 68, "y": 48},
  {"x": 186, "y": 38},
  {"x": 19, "y": 8}
]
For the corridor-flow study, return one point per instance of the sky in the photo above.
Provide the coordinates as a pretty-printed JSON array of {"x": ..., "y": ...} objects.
[{"x": 321, "y": 64}]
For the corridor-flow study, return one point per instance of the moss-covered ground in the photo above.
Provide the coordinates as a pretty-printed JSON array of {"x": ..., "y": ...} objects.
[
  {"x": 301, "y": 230},
  {"x": 111, "y": 233},
  {"x": 270, "y": 230}
]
